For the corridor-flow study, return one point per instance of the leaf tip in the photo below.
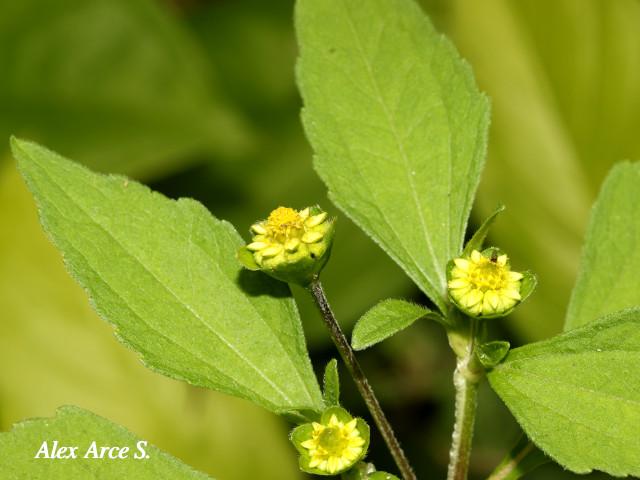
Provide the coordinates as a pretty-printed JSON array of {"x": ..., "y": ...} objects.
[{"x": 16, "y": 145}]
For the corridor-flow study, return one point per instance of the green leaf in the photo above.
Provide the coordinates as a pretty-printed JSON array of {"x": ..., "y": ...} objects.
[
  {"x": 75, "y": 427},
  {"x": 481, "y": 234},
  {"x": 58, "y": 344},
  {"x": 164, "y": 273},
  {"x": 331, "y": 384},
  {"x": 576, "y": 395},
  {"x": 386, "y": 319},
  {"x": 491, "y": 354},
  {"x": 398, "y": 127},
  {"x": 608, "y": 277},
  {"x": 118, "y": 84}
]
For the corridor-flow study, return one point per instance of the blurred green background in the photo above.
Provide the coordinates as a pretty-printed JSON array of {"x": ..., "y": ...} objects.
[{"x": 197, "y": 98}]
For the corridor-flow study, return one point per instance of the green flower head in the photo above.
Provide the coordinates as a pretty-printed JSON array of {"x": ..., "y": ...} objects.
[{"x": 290, "y": 245}]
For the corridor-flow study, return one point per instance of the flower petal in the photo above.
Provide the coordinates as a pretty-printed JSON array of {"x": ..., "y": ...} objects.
[
  {"x": 255, "y": 246},
  {"x": 316, "y": 219}
]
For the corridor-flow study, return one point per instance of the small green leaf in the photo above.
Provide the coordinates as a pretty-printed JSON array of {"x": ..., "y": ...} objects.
[
  {"x": 75, "y": 427},
  {"x": 576, "y": 395},
  {"x": 398, "y": 127},
  {"x": 481, "y": 234},
  {"x": 331, "y": 384},
  {"x": 386, "y": 319},
  {"x": 491, "y": 354},
  {"x": 164, "y": 273},
  {"x": 608, "y": 276}
]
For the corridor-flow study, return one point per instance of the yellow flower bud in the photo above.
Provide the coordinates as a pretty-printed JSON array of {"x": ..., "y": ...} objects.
[
  {"x": 483, "y": 284},
  {"x": 333, "y": 445},
  {"x": 290, "y": 245}
]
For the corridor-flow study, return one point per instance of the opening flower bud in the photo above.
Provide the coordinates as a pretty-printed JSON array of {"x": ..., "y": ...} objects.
[
  {"x": 333, "y": 445},
  {"x": 290, "y": 245},
  {"x": 483, "y": 284}
]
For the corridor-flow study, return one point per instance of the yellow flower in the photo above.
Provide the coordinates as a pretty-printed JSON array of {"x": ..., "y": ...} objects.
[
  {"x": 484, "y": 285},
  {"x": 286, "y": 231},
  {"x": 332, "y": 445},
  {"x": 290, "y": 245}
]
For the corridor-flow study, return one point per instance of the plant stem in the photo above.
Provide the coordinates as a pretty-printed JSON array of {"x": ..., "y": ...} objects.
[
  {"x": 523, "y": 458},
  {"x": 507, "y": 469},
  {"x": 465, "y": 380},
  {"x": 346, "y": 352}
]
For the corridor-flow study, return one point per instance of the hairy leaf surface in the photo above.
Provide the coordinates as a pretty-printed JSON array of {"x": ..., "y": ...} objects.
[
  {"x": 397, "y": 125},
  {"x": 331, "y": 384},
  {"x": 577, "y": 396},
  {"x": 73, "y": 426},
  {"x": 164, "y": 273},
  {"x": 386, "y": 319}
]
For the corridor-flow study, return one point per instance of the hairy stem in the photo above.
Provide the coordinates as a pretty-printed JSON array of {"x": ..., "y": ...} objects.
[
  {"x": 346, "y": 352},
  {"x": 465, "y": 380}
]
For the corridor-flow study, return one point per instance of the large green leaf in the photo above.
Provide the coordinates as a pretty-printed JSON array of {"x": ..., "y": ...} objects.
[
  {"x": 52, "y": 341},
  {"x": 577, "y": 396},
  {"x": 398, "y": 127},
  {"x": 116, "y": 83},
  {"x": 608, "y": 278},
  {"x": 165, "y": 274},
  {"x": 75, "y": 427}
]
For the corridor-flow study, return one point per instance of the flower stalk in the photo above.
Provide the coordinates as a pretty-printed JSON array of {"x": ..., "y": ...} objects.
[
  {"x": 466, "y": 378},
  {"x": 348, "y": 356}
]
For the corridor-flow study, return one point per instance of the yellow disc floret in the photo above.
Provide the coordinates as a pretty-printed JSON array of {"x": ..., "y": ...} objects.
[
  {"x": 335, "y": 446},
  {"x": 285, "y": 223},
  {"x": 484, "y": 285}
]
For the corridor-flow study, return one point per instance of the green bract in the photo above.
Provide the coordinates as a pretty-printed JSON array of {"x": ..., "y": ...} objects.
[
  {"x": 291, "y": 246},
  {"x": 332, "y": 445},
  {"x": 367, "y": 471}
]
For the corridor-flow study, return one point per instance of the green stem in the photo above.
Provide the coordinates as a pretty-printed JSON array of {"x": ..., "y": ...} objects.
[
  {"x": 523, "y": 458},
  {"x": 465, "y": 379},
  {"x": 346, "y": 352}
]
